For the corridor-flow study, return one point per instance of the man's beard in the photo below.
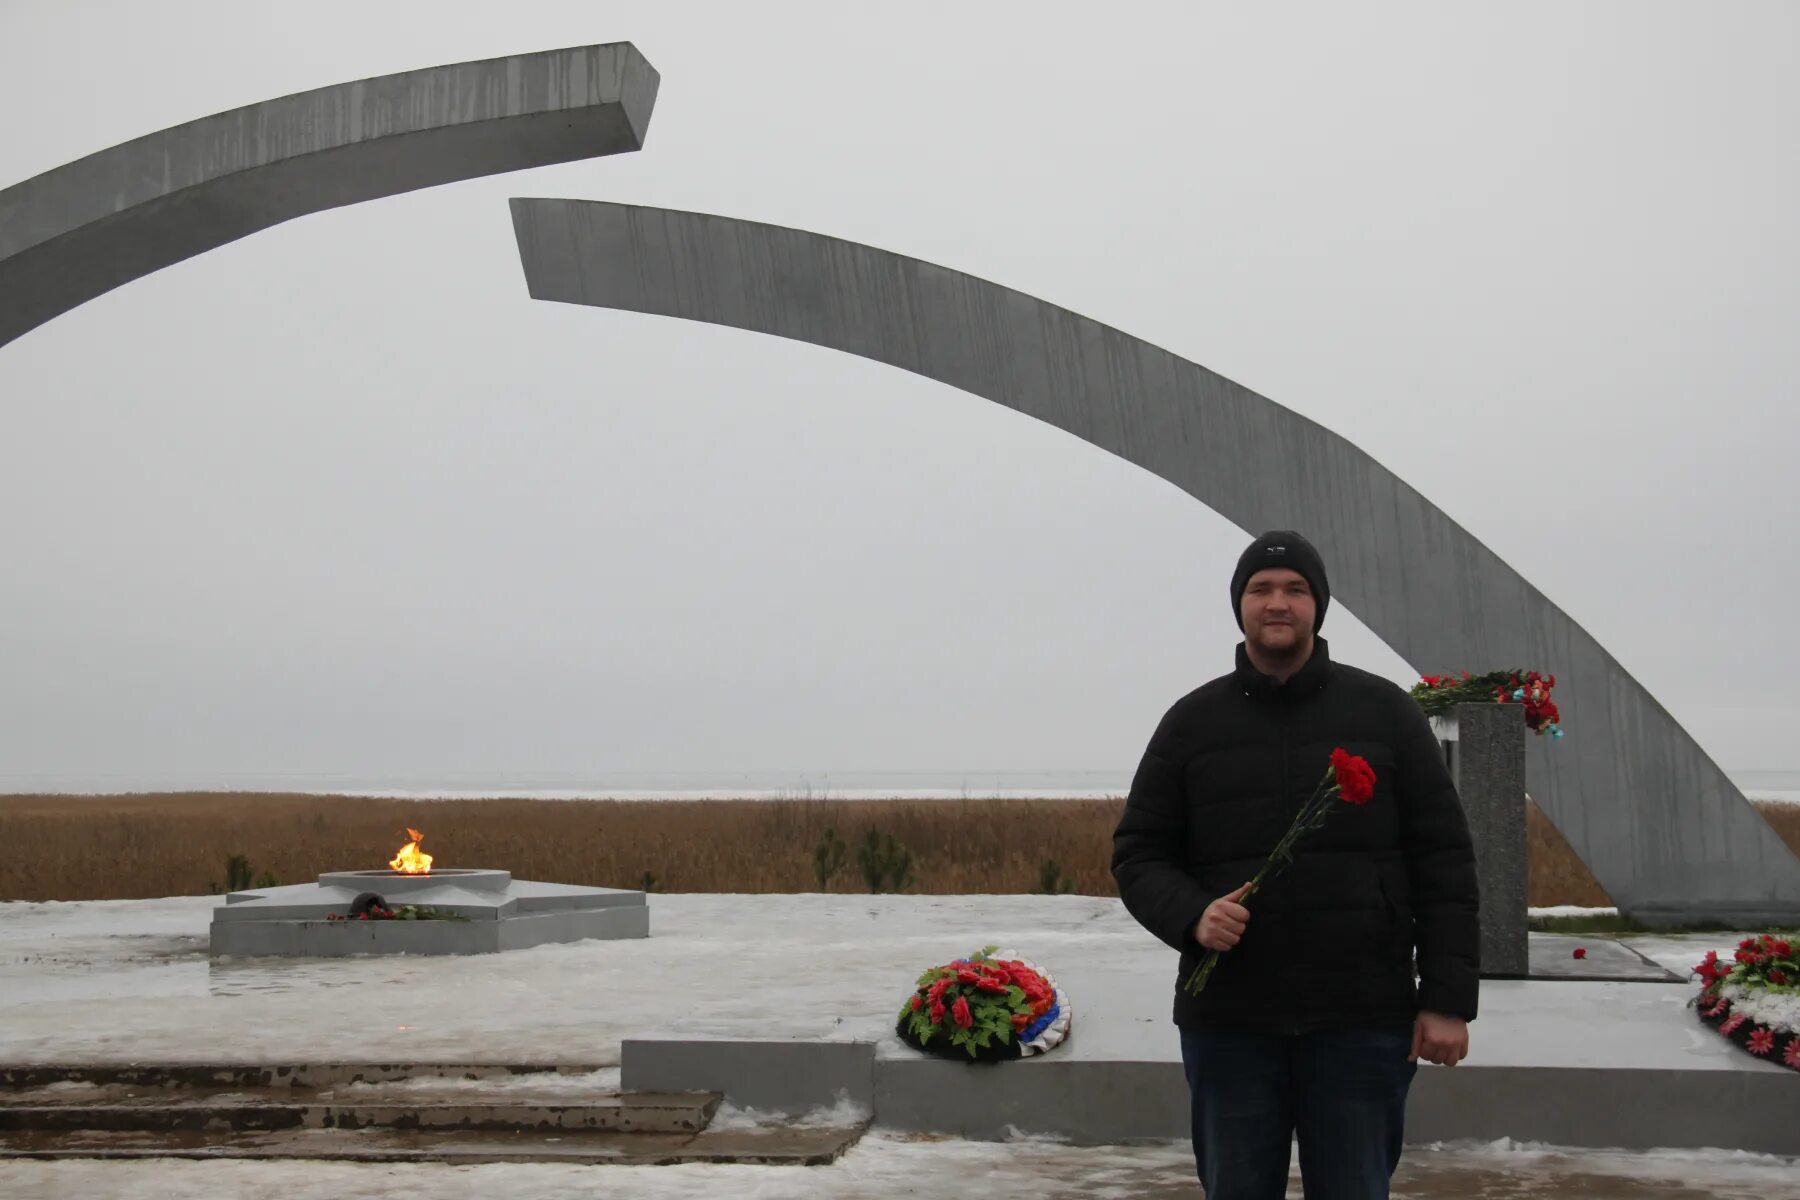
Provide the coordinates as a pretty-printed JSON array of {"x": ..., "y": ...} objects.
[{"x": 1292, "y": 654}]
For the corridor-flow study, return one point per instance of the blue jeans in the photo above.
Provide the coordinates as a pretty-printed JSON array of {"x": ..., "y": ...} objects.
[{"x": 1343, "y": 1092}]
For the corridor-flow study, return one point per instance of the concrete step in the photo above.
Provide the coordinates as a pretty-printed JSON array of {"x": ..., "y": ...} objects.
[
  {"x": 682, "y": 1113},
  {"x": 15, "y": 1078},
  {"x": 784, "y": 1146}
]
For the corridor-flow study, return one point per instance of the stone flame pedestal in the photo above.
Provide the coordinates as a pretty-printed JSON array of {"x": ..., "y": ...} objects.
[{"x": 502, "y": 913}]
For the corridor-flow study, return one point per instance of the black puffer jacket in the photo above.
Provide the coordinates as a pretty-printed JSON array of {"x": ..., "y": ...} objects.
[{"x": 1331, "y": 937}]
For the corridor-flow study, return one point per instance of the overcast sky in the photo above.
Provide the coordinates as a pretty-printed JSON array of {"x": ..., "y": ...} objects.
[{"x": 340, "y": 498}]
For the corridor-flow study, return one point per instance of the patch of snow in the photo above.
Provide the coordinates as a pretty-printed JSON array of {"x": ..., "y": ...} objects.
[
  {"x": 843, "y": 1114},
  {"x": 77, "y": 984},
  {"x": 1570, "y": 910},
  {"x": 536, "y": 1083},
  {"x": 1722, "y": 1171},
  {"x": 883, "y": 1166}
]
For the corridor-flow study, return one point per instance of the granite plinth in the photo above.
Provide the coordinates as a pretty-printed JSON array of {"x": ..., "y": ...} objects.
[
  {"x": 496, "y": 911},
  {"x": 1485, "y": 748}
]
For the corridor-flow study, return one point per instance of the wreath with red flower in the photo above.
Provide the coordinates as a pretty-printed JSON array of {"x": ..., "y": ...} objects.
[
  {"x": 1754, "y": 1000},
  {"x": 988, "y": 1007},
  {"x": 1439, "y": 694}
]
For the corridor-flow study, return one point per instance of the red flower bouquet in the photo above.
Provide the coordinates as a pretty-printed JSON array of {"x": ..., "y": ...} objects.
[
  {"x": 1349, "y": 778},
  {"x": 988, "y": 1007},
  {"x": 1438, "y": 694}
]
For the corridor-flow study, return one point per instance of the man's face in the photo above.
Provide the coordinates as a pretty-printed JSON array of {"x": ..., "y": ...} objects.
[{"x": 1279, "y": 611}]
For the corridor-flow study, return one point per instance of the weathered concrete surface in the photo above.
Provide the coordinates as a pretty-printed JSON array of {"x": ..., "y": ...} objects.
[
  {"x": 813, "y": 1146},
  {"x": 1552, "y": 956},
  {"x": 1668, "y": 835},
  {"x": 1489, "y": 766},
  {"x": 778, "y": 1075},
  {"x": 617, "y": 1113},
  {"x": 491, "y": 1119},
  {"x": 197, "y": 1078},
  {"x": 84, "y": 228}
]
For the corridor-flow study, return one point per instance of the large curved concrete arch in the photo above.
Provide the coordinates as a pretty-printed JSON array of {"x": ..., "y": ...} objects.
[
  {"x": 1667, "y": 834},
  {"x": 88, "y": 226}
]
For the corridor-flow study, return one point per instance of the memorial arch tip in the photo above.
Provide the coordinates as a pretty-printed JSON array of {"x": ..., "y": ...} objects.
[
  {"x": 84, "y": 228},
  {"x": 1663, "y": 829}
]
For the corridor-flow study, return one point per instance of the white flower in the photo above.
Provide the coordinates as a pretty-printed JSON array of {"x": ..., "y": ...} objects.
[{"x": 1780, "y": 1011}]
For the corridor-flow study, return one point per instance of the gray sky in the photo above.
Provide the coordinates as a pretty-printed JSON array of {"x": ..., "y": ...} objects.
[{"x": 339, "y": 498}]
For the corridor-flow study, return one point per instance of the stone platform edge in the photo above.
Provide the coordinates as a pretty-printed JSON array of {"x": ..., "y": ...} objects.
[
  {"x": 342, "y": 939},
  {"x": 1102, "y": 1102}
]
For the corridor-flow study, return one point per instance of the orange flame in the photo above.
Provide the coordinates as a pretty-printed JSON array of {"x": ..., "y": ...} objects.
[{"x": 411, "y": 860}]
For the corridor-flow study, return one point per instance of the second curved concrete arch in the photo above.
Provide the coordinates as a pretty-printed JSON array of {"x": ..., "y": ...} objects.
[
  {"x": 1667, "y": 834},
  {"x": 88, "y": 226}
]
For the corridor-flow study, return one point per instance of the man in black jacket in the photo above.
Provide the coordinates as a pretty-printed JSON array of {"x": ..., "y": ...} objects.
[{"x": 1313, "y": 1022}]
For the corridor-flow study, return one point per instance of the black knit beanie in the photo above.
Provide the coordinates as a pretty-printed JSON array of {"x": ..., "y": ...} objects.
[{"x": 1281, "y": 548}]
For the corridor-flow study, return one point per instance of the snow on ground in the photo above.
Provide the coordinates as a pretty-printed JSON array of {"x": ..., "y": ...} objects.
[
  {"x": 882, "y": 1167},
  {"x": 109, "y": 981},
  {"x": 131, "y": 980},
  {"x": 1570, "y": 910}
]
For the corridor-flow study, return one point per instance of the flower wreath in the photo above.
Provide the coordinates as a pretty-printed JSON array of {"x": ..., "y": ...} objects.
[
  {"x": 1438, "y": 694},
  {"x": 1755, "y": 1001},
  {"x": 990, "y": 1006}
]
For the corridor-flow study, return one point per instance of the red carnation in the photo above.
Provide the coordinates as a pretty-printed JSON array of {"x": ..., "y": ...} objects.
[
  {"x": 964, "y": 975},
  {"x": 1778, "y": 976},
  {"x": 1782, "y": 948},
  {"x": 1355, "y": 777},
  {"x": 1580, "y": 952},
  {"x": 960, "y": 1011},
  {"x": 918, "y": 1002},
  {"x": 990, "y": 984}
]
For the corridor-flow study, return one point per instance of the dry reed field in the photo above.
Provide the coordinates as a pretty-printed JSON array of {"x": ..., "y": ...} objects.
[{"x": 118, "y": 847}]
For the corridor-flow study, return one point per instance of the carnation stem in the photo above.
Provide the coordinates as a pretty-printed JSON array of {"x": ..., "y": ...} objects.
[{"x": 1310, "y": 817}]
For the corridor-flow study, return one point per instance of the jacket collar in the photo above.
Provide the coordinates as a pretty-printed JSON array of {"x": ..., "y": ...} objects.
[{"x": 1304, "y": 682}]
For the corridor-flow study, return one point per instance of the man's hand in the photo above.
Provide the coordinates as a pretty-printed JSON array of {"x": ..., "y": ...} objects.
[
  {"x": 1438, "y": 1038},
  {"x": 1222, "y": 924}
]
